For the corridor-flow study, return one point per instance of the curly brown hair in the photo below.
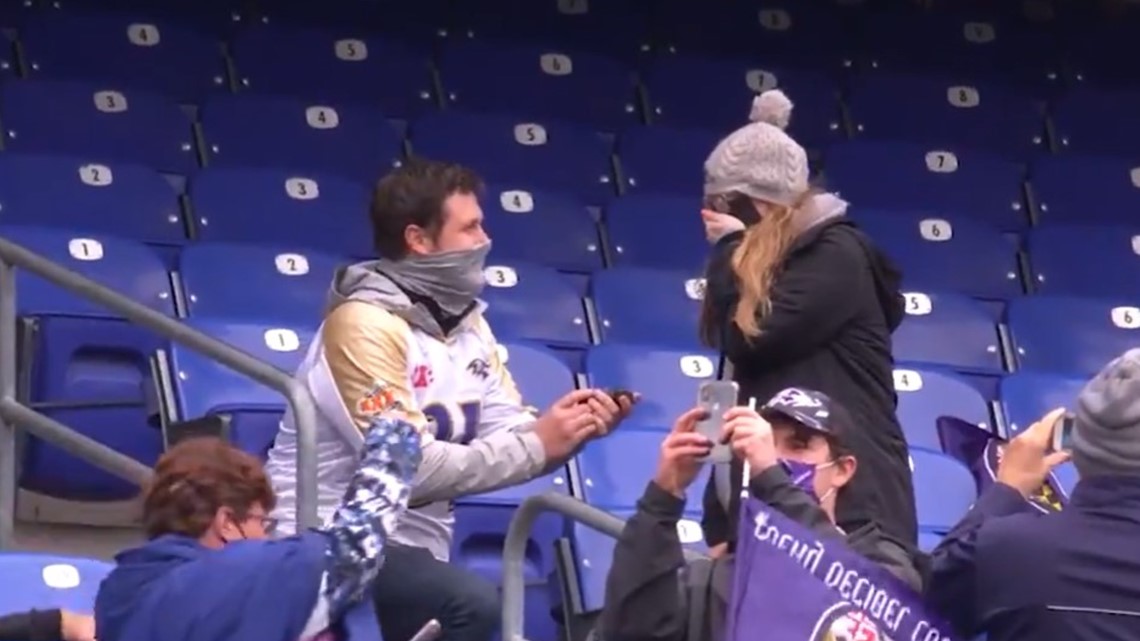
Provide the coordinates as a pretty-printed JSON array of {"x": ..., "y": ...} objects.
[{"x": 197, "y": 477}]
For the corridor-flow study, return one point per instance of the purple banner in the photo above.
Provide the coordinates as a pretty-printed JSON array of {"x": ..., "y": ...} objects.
[{"x": 791, "y": 585}]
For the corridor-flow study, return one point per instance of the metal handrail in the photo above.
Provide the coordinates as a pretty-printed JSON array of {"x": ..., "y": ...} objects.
[
  {"x": 13, "y": 413},
  {"x": 514, "y": 549}
]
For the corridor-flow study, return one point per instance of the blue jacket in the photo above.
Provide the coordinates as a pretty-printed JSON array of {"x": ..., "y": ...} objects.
[
  {"x": 1016, "y": 574},
  {"x": 174, "y": 589}
]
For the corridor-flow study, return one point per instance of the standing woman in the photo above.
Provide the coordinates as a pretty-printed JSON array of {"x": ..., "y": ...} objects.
[{"x": 797, "y": 296}]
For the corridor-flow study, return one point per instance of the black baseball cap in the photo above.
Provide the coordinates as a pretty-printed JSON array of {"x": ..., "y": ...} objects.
[{"x": 809, "y": 408}]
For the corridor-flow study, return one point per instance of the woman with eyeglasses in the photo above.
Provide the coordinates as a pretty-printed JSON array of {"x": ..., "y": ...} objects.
[
  {"x": 798, "y": 296},
  {"x": 209, "y": 572}
]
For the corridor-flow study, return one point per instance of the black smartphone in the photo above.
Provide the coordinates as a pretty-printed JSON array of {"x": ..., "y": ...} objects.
[{"x": 618, "y": 393}]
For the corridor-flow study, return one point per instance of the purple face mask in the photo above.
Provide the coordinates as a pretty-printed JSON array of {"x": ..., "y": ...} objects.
[{"x": 803, "y": 474}]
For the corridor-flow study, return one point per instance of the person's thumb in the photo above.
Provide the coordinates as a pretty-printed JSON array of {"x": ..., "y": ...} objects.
[
  {"x": 1057, "y": 458},
  {"x": 574, "y": 397}
]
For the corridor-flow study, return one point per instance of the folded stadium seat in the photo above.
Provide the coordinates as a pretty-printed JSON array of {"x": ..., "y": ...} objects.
[
  {"x": 966, "y": 43},
  {"x": 132, "y": 50},
  {"x": 925, "y": 395},
  {"x": 1093, "y": 52},
  {"x": 97, "y": 119},
  {"x": 962, "y": 255},
  {"x": 802, "y": 34},
  {"x": 86, "y": 368},
  {"x": 355, "y": 141},
  {"x": 1027, "y": 396},
  {"x": 1086, "y": 189},
  {"x": 532, "y": 302},
  {"x": 482, "y": 520},
  {"x": 928, "y": 540},
  {"x": 1097, "y": 261},
  {"x": 956, "y": 182},
  {"x": 952, "y": 330},
  {"x": 209, "y": 17},
  {"x": 539, "y": 82},
  {"x": 200, "y": 386},
  {"x": 648, "y": 306},
  {"x": 618, "y": 28},
  {"x": 613, "y": 473},
  {"x": 664, "y": 160},
  {"x": 524, "y": 222},
  {"x": 45, "y": 581},
  {"x": 128, "y": 200},
  {"x": 662, "y": 232},
  {"x": 961, "y": 114},
  {"x": 340, "y": 66},
  {"x": 1075, "y": 336},
  {"x": 12, "y": 16},
  {"x": 419, "y": 24},
  {"x": 679, "y": 86},
  {"x": 9, "y": 67},
  {"x": 276, "y": 284},
  {"x": 541, "y": 152},
  {"x": 944, "y": 490},
  {"x": 666, "y": 378},
  {"x": 277, "y": 206},
  {"x": 1095, "y": 121}
]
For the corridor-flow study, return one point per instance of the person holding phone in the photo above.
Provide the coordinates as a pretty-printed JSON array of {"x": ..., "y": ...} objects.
[
  {"x": 798, "y": 463},
  {"x": 798, "y": 295},
  {"x": 1012, "y": 572}
]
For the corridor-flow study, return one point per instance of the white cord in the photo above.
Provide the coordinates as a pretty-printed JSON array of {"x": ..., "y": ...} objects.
[{"x": 747, "y": 472}]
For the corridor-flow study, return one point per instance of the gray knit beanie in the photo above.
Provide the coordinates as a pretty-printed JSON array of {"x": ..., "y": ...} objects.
[
  {"x": 759, "y": 159},
  {"x": 1106, "y": 432}
]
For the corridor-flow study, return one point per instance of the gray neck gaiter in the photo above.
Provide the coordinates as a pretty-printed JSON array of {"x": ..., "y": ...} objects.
[{"x": 453, "y": 279}]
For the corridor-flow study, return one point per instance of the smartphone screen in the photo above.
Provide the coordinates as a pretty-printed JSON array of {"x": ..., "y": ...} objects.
[
  {"x": 716, "y": 398},
  {"x": 1063, "y": 433}
]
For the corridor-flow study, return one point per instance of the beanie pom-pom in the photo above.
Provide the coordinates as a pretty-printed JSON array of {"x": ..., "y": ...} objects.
[{"x": 772, "y": 107}]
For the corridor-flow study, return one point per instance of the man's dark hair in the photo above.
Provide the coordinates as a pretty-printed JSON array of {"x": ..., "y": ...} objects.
[{"x": 413, "y": 195}]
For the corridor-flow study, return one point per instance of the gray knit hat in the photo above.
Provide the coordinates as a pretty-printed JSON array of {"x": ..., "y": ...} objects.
[
  {"x": 1106, "y": 433},
  {"x": 759, "y": 159}
]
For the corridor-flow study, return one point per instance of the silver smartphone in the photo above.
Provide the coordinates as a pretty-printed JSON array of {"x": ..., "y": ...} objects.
[
  {"x": 1063, "y": 433},
  {"x": 716, "y": 398}
]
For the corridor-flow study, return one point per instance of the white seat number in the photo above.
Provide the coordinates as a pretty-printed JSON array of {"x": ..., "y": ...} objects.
[
  {"x": 917, "y": 303},
  {"x": 282, "y": 340},
  {"x": 500, "y": 276},
  {"x": 320, "y": 117},
  {"x": 907, "y": 380},
  {"x": 1126, "y": 317},
  {"x": 291, "y": 264},
  {"x": 95, "y": 175},
  {"x": 696, "y": 366},
  {"x": 530, "y": 134},
  {"x": 85, "y": 249},
  {"x": 516, "y": 201},
  {"x": 941, "y": 162}
]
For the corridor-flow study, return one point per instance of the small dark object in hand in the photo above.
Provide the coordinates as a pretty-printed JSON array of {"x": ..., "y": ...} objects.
[{"x": 617, "y": 394}]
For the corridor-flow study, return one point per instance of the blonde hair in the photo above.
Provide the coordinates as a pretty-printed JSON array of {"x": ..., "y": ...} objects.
[{"x": 757, "y": 260}]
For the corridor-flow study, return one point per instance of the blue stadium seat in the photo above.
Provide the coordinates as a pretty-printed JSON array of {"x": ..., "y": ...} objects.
[
  {"x": 110, "y": 122},
  {"x": 208, "y": 17},
  {"x": 1071, "y": 335},
  {"x": 276, "y": 284},
  {"x": 132, "y": 201},
  {"x": 1086, "y": 260},
  {"x": 678, "y": 88},
  {"x": 543, "y": 153},
  {"x": 339, "y": 67},
  {"x": 925, "y": 395},
  {"x": 909, "y": 177},
  {"x": 417, "y": 24},
  {"x": 613, "y": 478},
  {"x": 667, "y": 379},
  {"x": 614, "y": 27},
  {"x": 947, "y": 113},
  {"x": 539, "y": 82},
  {"x": 87, "y": 368},
  {"x": 516, "y": 292},
  {"x": 134, "y": 50},
  {"x": 928, "y": 540},
  {"x": 1027, "y": 396},
  {"x": 968, "y": 44},
  {"x": 523, "y": 223},
  {"x": 944, "y": 489},
  {"x": 314, "y": 210},
  {"x": 541, "y": 376},
  {"x": 948, "y": 329},
  {"x": 648, "y": 306},
  {"x": 1095, "y": 121},
  {"x": 804, "y": 34},
  {"x": 204, "y": 387},
  {"x": 960, "y": 255},
  {"x": 1094, "y": 53},
  {"x": 663, "y": 160},
  {"x": 352, "y": 140},
  {"x": 1086, "y": 189},
  {"x": 9, "y": 66},
  {"x": 45, "y": 581},
  {"x": 662, "y": 232}
]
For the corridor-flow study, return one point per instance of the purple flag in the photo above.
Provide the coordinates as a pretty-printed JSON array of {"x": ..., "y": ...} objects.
[
  {"x": 791, "y": 585},
  {"x": 981, "y": 451}
]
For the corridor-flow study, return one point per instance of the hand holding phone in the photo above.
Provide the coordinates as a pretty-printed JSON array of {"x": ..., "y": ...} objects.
[
  {"x": 1063, "y": 433},
  {"x": 716, "y": 398}
]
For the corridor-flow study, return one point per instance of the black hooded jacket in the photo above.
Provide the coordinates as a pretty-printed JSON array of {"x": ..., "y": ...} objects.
[{"x": 835, "y": 303}]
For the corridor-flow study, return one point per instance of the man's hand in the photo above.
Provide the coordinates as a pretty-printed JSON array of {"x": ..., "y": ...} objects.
[
  {"x": 1027, "y": 459},
  {"x": 751, "y": 438},
  {"x": 609, "y": 411},
  {"x": 567, "y": 424},
  {"x": 76, "y": 627},
  {"x": 681, "y": 452},
  {"x": 718, "y": 225}
]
